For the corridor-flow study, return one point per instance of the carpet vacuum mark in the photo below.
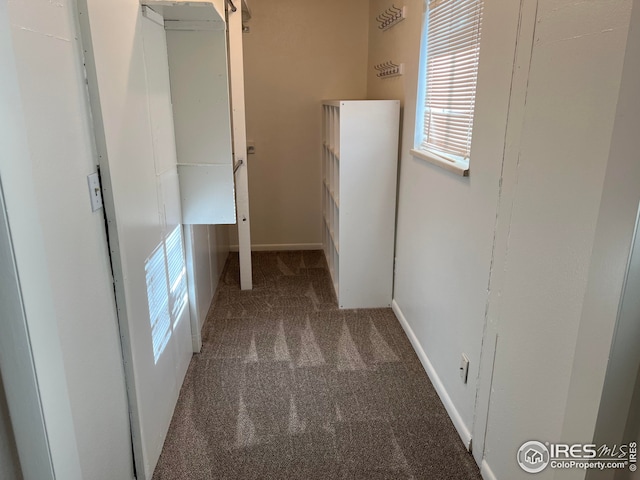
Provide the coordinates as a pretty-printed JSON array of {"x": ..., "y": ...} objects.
[{"x": 290, "y": 387}]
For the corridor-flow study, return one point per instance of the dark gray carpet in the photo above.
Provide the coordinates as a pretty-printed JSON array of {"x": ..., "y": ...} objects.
[{"x": 289, "y": 387}]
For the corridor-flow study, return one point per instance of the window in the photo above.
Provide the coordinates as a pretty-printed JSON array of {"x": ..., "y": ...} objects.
[{"x": 447, "y": 85}]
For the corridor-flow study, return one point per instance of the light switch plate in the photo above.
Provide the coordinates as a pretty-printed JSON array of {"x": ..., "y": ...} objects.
[{"x": 95, "y": 192}]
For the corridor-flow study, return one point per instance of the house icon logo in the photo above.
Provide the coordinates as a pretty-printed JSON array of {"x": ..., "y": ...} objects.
[{"x": 533, "y": 456}]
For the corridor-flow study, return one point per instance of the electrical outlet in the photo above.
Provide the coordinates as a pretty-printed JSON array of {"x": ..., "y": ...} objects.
[{"x": 464, "y": 368}]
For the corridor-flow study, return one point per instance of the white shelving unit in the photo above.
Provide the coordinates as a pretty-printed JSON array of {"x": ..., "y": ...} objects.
[{"x": 359, "y": 172}]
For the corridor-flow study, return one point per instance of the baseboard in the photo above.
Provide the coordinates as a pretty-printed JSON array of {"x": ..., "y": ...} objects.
[
  {"x": 196, "y": 343},
  {"x": 462, "y": 429},
  {"x": 486, "y": 472},
  {"x": 278, "y": 247}
]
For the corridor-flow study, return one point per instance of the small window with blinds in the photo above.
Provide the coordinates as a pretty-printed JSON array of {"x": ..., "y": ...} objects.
[{"x": 447, "y": 87}]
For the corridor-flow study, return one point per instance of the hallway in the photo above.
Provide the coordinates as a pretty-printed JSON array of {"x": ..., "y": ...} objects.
[{"x": 288, "y": 386}]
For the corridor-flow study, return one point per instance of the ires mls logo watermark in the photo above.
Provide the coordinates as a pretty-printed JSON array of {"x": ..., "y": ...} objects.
[{"x": 534, "y": 456}]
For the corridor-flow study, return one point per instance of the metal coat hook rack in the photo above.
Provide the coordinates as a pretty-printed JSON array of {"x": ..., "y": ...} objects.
[
  {"x": 390, "y": 17},
  {"x": 389, "y": 69}
]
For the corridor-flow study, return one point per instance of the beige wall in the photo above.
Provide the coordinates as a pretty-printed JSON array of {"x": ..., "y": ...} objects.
[
  {"x": 398, "y": 44},
  {"x": 298, "y": 53}
]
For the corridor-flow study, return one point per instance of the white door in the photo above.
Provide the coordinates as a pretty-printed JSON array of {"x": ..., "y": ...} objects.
[{"x": 162, "y": 363}]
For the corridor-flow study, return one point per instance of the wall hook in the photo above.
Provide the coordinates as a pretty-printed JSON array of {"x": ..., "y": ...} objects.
[
  {"x": 390, "y": 17},
  {"x": 389, "y": 69}
]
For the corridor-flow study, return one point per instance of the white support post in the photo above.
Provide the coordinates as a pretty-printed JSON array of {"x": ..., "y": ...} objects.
[{"x": 236, "y": 70}]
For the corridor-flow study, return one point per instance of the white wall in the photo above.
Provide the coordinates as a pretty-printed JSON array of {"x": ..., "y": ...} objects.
[
  {"x": 218, "y": 253},
  {"x": 619, "y": 408},
  {"x": 46, "y": 152},
  {"x": 208, "y": 249},
  {"x": 9, "y": 462},
  {"x": 631, "y": 434},
  {"x": 519, "y": 251},
  {"x": 298, "y": 53},
  {"x": 554, "y": 180},
  {"x": 17, "y": 369},
  {"x": 446, "y": 223}
]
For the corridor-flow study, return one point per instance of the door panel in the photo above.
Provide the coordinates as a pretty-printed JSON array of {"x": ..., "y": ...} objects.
[
  {"x": 128, "y": 76},
  {"x": 201, "y": 109},
  {"x": 205, "y": 193},
  {"x": 200, "y": 94},
  {"x": 160, "y": 381}
]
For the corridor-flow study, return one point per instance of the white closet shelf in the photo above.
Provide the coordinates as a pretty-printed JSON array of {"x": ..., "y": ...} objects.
[
  {"x": 358, "y": 232},
  {"x": 336, "y": 245},
  {"x": 186, "y": 11}
]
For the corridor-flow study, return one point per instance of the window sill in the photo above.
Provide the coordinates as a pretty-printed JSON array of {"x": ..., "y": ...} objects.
[{"x": 453, "y": 166}]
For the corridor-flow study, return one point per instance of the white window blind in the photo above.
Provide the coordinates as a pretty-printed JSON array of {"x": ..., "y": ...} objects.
[{"x": 452, "y": 51}]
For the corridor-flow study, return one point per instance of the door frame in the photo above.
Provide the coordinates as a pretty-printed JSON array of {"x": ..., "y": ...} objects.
[
  {"x": 17, "y": 366},
  {"x": 238, "y": 122}
]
